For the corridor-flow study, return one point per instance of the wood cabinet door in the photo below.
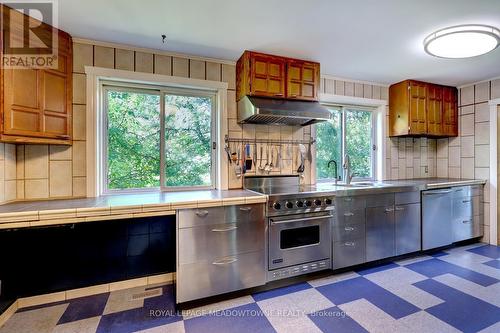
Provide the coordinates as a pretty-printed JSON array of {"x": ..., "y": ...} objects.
[
  {"x": 302, "y": 80},
  {"x": 22, "y": 102},
  {"x": 418, "y": 107},
  {"x": 434, "y": 109},
  {"x": 267, "y": 75},
  {"x": 450, "y": 111},
  {"x": 37, "y": 102}
]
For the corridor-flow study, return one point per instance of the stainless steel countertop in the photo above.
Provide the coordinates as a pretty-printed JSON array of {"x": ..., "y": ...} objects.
[{"x": 392, "y": 186}]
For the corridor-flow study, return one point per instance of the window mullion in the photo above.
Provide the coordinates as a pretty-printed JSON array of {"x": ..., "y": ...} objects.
[
  {"x": 343, "y": 148},
  {"x": 162, "y": 141}
]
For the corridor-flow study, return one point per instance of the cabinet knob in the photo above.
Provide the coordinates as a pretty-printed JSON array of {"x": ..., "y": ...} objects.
[{"x": 202, "y": 213}]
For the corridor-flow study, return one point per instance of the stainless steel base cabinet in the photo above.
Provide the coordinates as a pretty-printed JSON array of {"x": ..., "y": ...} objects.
[
  {"x": 349, "y": 253},
  {"x": 219, "y": 250},
  {"x": 468, "y": 215},
  {"x": 407, "y": 228},
  {"x": 380, "y": 237}
]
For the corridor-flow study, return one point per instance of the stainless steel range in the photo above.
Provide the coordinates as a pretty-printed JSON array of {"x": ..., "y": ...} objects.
[{"x": 299, "y": 220}]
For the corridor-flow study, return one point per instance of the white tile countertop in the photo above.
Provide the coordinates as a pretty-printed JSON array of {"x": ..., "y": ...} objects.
[{"x": 118, "y": 206}]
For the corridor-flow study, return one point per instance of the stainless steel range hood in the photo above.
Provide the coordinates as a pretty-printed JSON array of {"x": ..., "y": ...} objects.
[{"x": 259, "y": 110}]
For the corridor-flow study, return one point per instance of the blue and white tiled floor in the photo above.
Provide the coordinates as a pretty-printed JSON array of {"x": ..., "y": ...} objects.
[{"x": 451, "y": 291}]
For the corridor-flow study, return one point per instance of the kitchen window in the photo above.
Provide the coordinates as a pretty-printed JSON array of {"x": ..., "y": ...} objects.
[
  {"x": 157, "y": 138},
  {"x": 349, "y": 132}
]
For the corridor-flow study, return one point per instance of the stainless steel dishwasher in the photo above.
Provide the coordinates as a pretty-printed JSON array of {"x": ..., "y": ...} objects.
[{"x": 436, "y": 218}]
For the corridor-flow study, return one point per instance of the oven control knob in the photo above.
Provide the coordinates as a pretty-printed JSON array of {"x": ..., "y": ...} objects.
[
  {"x": 308, "y": 203},
  {"x": 276, "y": 205},
  {"x": 289, "y": 204},
  {"x": 299, "y": 204},
  {"x": 317, "y": 202},
  {"x": 328, "y": 201}
]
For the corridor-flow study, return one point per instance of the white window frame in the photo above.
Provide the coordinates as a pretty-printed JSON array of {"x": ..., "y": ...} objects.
[
  {"x": 94, "y": 129},
  {"x": 160, "y": 91},
  {"x": 343, "y": 121},
  {"x": 380, "y": 121}
]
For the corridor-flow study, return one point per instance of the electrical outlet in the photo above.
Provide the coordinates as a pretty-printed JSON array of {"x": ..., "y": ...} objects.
[{"x": 426, "y": 169}]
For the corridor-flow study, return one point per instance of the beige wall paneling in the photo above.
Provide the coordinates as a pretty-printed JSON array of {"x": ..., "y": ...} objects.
[
  {"x": 36, "y": 163},
  {"x": 229, "y": 75},
  {"x": 482, "y": 92},
  {"x": 104, "y": 57},
  {"x": 163, "y": 64},
  {"x": 467, "y": 95},
  {"x": 144, "y": 62},
  {"x": 79, "y": 122},
  {"x": 36, "y": 188},
  {"x": 10, "y": 168},
  {"x": 329, "y": 85},
  {"x": 367, "y": 91},
  {"x": 60, "y": 180},
  {"x": 79, "y": 88},
  {"x": 214, "y": 71},
  {"x": 358, "y": 89},
  {"x": 180, "y": 67},
  {"x": 83, "y": 55},
  {"x": 349, "y": 88},
  {"x": 495, "y": 89},
  {"x": 197, "y": 69},
  {"x": 79, "y": 186},
  {"x": 339, "y": 88},
  {"x": 124, "y": 59},
  {"x": 79, "y": 159}
]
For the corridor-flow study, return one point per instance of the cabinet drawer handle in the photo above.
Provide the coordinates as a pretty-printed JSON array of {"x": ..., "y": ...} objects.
[
  {"x": 225, "y": 229},
  {"x": 225, "y": 262},
  {"x": 389, "y": 210},
  {"x": 278, "y": 94},
  {"x": 202, "y": 213},
  {"x": 349, "y": 244},
  {"x": 400, "y": 209},
  {"x": 466, "y": 201},
  {"x": 348, "y": 228},
  {"x": 347, "y": 199},
  {"x": 348, "y": 214},
  {"x": 245, "y": 209},
  {"x": 466, "y": 221},
  {"x": 292, "y": 95}
]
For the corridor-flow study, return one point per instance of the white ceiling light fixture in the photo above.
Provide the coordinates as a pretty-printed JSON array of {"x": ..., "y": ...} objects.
[{"x": 462, "y": 41}]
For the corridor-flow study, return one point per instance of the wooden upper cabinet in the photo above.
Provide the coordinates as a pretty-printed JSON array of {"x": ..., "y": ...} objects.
[
  {"x": 265, "y": 75},
  {"x": 302, "y": 80},
  {"x": 422, "y": 109},
  {"x": 37, "y": 102},
  {"x": 450, "y": 111},
  {"x": 434, "y": 110}
]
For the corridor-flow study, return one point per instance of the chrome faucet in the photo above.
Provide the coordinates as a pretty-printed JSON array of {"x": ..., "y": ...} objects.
[
  {"x": 336, "y": 170},
  {"x": 347, "y": 170}
]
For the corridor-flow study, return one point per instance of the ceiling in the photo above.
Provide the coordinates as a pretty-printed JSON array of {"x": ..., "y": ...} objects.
[{"x": 370, "y": 40}]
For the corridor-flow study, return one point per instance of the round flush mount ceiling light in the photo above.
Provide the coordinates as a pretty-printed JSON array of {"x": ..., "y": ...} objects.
[{"x": 462, "y": 41}]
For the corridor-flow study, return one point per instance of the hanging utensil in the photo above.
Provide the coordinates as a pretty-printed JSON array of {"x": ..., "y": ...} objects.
[
  {"x": 261, "y": 168},
  {"x": 255, "y": 156},
  {"x": 302, "y": 151},
  {"x": 248, "y": 159},
  {"x": 271, "y": 166},
  {"x": 237, "y": 166},
  {"x": 266, "y": 167},
  {"x": 228, "y": 152},
  {"x": 278, "y": 159}
]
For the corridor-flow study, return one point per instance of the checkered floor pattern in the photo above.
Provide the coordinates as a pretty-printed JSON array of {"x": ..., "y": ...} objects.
[{"x": 457, "y": 290}]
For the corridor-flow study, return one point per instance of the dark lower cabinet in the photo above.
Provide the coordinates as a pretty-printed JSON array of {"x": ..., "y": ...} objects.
[{"x": 34, "y": 261}]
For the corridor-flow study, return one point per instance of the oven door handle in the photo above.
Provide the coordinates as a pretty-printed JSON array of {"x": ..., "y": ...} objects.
[{"x": 300, "y": 220}]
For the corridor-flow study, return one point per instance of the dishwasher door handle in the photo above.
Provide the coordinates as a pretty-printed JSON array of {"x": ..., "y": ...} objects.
[{"x": 436, "y": 192}]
